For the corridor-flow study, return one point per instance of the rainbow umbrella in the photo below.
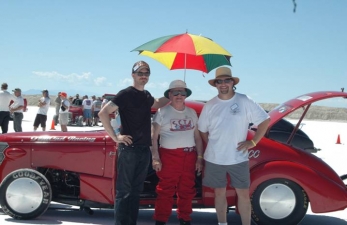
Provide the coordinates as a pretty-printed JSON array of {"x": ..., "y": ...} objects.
[{"x": 186, "y": 51}]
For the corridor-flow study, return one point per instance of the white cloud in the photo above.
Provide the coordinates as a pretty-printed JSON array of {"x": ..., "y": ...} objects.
[
  {"x": 99, "y": 81},
  {"x": 85, "y": 78},
  {"x": 158, "y": 85},
  {"x": 125, "y": 82}
]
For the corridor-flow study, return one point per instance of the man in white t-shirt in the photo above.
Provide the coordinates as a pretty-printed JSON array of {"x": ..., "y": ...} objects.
[
  {"x": 41, "y": 116},
  {"x": 16, "y": 109},
  {"x": 87, "y": 110},
  {"x": 57, "y": 102},
  {"x": 5, "y": 99},
  {"x": 104, "y": 101},
  {"x": 223, "y": 125},
  {"x": 179, "y": 154},
  {"x": 64, "y": 111},
  {"x": 96, "y": 106}
]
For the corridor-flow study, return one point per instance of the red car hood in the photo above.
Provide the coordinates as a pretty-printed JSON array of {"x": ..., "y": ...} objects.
[{"x": 301, "y": 101}]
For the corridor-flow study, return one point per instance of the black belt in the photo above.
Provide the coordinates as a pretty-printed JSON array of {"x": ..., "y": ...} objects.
[
  {"x": 133, "y": 146},
  {"x": 189, "y": 149},
  {"x": 18, "y": 112}
]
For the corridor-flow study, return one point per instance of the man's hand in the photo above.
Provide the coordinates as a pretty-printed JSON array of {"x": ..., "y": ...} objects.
[
  {"x": 156, "y": 165},
  {"x": 198, "y": 165},
  {"x": 125, "y": 139},
  {"x": 245, "y": 145}
]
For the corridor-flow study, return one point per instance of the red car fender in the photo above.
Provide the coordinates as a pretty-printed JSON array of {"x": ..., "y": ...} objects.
[{"x": 324, "y": 194}]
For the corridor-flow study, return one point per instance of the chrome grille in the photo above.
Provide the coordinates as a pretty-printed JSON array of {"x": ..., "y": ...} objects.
[{"x": 3, "y": 146}]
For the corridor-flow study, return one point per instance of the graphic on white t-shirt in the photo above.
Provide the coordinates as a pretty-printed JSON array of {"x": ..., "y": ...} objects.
[{"x": 182, "y": 124}]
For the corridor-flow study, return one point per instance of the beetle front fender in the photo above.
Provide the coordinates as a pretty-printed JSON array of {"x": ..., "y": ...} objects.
[{"x": 325, "y": 195}]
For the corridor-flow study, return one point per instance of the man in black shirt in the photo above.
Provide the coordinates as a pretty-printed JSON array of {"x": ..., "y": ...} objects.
[
  {"x": 134, "y": 106},
  {"x": 77, "y": 100}
]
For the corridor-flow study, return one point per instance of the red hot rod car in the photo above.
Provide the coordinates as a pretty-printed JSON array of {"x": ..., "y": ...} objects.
[{"x": 77, "y": 168}]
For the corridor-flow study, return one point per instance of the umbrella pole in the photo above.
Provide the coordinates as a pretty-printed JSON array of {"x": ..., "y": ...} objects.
[{"x": 185, "y": 61}]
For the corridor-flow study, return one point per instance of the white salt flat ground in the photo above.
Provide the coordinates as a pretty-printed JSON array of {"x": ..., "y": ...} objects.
[{"x": 324, "y": 135}]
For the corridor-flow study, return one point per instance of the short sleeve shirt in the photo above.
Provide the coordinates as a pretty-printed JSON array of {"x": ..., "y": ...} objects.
[
  {"x": 227, "y": 123},
  {"x": 19, "y": 101},
  {"x": 44, "y": 109},
  {"x": 176, "y": 127},
  {"x": 67, "y": 104},
  {"x": 97, "y": 105},
  {"x": 87, "y": 104},
  {"x": 135, "y": 113},
  {"x": 5, "y": 99}
]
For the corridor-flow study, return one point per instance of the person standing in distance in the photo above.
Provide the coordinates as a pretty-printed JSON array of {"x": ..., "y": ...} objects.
[
  {"x": 57, "y": 108},
  {"x": 96, "y": 109},
  {"x": 87, "y": 105},
  {"x": 16, "y": 108},
  {"x": 178, "y": 157},
  {"x": 134, "y": 104},
  {"x": 103, "y": 103},
  {"x": 64, "y": 111},
  {"x": 223, "y": 125},
  {"x": 5, "y": 99},
  {"x": 41, "y": 116}
]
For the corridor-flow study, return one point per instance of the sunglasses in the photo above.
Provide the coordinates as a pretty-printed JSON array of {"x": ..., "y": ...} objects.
[
  {"x": 141, "y": 74},
  {"x": 182, "y": 93},
  {"x": 227, "y": 81}
]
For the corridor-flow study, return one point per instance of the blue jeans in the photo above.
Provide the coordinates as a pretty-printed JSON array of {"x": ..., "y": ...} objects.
[
  {"x": 17, "y": 121},
  {"x": 132, "y": 169}
]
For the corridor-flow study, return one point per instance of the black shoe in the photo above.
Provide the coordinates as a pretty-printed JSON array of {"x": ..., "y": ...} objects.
[
  {"x": 183, "y": 222},
  {"x": 159, "y": 223}
]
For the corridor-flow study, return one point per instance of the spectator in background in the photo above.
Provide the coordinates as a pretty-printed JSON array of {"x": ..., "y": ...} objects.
[
  {"x": 64, "y": 112},
  {"x": 77, "y": 100},
  {"x": 57, "y": 108},
  {"x": 96, "y": 106},
  {"x": 104, "y": 101},
  {"x": 87, "y": 110},
  {"x": 41, "y": 116},
  {"x": 5, "y": 99},
  {"x": 16, "y": 109},
  {"x": 70, "y": 100}
]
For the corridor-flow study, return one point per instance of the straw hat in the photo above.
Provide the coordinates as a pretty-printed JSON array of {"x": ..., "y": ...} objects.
[{"x": 223, "y": 72}]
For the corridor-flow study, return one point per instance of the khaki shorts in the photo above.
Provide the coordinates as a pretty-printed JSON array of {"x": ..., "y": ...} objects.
[
  {"x": 215, "y": 176},
  {"x": 63, "y": 118}
]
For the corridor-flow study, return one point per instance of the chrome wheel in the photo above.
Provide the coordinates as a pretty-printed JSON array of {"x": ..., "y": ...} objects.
[
  {"x": 24, "y": 195},
  {"x": 277, "y": 201}
]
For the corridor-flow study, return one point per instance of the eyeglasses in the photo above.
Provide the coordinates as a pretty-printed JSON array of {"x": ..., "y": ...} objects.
[
  {"x": 182, "y": 93},
  {"x": 227, "y": 81},
  {"x": 140, "y": 74}
]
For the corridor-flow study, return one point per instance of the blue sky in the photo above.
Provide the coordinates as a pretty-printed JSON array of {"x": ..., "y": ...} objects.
[{"x": 84, "y": 46}]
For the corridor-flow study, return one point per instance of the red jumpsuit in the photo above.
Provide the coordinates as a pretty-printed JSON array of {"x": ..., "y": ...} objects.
[{"x": 177, "y": 176}]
